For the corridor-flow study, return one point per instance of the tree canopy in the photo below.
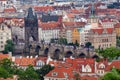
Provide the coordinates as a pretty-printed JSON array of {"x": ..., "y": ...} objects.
[
  {"x": 9, "y": 47},
  {"x": 113, "y": 75},
  {"x": 109, "y": 53}
]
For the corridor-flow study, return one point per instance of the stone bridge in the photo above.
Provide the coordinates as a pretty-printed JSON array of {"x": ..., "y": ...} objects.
[{"x": 60, "y": 51}]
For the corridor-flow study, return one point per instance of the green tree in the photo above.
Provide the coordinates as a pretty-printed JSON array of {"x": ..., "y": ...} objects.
[
  {"x": 28, "y": 74},
  {"x": 9, "y": 47},
  {"x": 113, "y": 75},
  {"x": 4, "y": 73},
  {"x": 109, "y": 53},
  {"x": 76, "y": 43},
  {"x": 8, "y": 65},
  {"x": 6, "y": 68},
  {"x": 44, "y": 70}
]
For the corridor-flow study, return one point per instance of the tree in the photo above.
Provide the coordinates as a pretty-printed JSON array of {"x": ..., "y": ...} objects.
[
  {"x": 76, "y": 43},
  {"x": 109, "y": 53},
  {"x": 62, "y": 41},
  {"x": 4, "y": 73},
  {"x": 28, "y": 74},
  {"x": 44, "y": 70},
  {"x": 6, "y": 68},
  {"x": 9, "y": 47},
  {"x": 113, "y": 75}
]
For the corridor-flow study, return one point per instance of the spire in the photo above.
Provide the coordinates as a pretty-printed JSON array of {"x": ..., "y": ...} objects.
[
  {"x": 93, "y": 10},
  {"x": 30, "y": 13}
]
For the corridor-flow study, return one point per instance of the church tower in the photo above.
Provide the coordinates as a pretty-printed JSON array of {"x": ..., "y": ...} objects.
[
  {"x": 31, "y": 29},
  {"x": 93, "y": 20}
]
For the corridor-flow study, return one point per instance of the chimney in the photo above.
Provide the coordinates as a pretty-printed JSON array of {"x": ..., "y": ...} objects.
[
  {"x": 13, "y": 59},
  {"x": 10, "y": 54},
  {"x": 36, "y": 56},
  {"x": 20, "y": 57},
  {"x": 31, "y": 56}
]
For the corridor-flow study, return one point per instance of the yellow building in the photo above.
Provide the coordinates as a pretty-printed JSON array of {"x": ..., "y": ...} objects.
[
  {"x": 117, "y": 29},
  {"x": 75, "y": 36}
]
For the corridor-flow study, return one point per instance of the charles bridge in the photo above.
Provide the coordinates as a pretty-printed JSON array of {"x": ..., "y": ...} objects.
[{"x": 57, "y": 51}]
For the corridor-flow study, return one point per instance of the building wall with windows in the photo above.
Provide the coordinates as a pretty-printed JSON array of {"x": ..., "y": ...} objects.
[
  {"x": 103, "y": 37},
  {"x": 5, "y": 34},
  {"x": 75, "y": 36}
]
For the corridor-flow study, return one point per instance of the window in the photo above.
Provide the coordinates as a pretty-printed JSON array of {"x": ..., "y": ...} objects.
[
  {"x": 54, "y": 74},
  {"x": 1, "y": 46},
  {"x": 1, "y": 42}
]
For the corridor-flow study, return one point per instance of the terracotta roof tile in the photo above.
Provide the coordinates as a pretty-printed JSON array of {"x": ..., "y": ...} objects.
[
  {"x": 25, "y": 61},
  {"x": 88, "y": 78},
  {"x": 60, "y": 73},
  {"x": 43, "y": 8},
  {"x": 114, "y": 64},
  {"x": 9, "y": 10},
  {"x": 50, "y": 25},
  {"x": 2, "y": 56}
]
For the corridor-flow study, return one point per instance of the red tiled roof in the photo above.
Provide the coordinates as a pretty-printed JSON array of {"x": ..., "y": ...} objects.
[
  {"x": 49, "y": 25},
  {"x": 70, "y": 15},
  {"x": 114, "y": 64},
  {"x": 43, "y": 8},
  {"x": 74, "y": 11},
  {"x": 60, "y": 73},
  {"x": 9, "y": 10},
  {"x": 88, "y": 78},
  {"x": 2, "y": 19},
  {"x": 100, "y": 30},
  {"x": 110, "y": 30},
  {"x": 74, "y": 24},
  {"x": 2, "y": 56},
  {"x": 25, "y": 61}
]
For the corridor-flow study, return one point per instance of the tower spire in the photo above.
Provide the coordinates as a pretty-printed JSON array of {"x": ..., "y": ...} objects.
[{"x": 93, "y": 10}]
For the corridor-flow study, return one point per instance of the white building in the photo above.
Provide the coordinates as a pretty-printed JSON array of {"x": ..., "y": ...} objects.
[
  {"x": 5, "y": 34},
  {"x": 69, "y": 35},
  {"x": 48, "y": 31},
  {"x": 84, "y": 34}
]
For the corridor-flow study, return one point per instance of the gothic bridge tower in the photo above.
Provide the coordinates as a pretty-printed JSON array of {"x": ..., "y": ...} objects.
[{"x": 31, "y": 30}]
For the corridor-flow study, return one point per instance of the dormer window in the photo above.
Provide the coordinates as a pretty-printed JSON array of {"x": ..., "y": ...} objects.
[
  {"x": 54, "y": 74},
  {"x": 102, "y": 66}
]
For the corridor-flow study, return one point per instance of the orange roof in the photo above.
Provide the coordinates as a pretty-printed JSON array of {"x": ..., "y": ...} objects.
[
  {"x": 9, "y": 10},
  {"x": 100, "y": 30},
  {"x": 43, "y": 8},
  {"x": 88, "y": 78},
  {"x": 2, "y": 19},
  {"x": 114, "y": 64},
  {"x": 70, "y": 15},
  {"x": 2, "y": 56},
  {"x": 74, "y": 24},
  {"x": 110, "y": 30},
  {"x": 60, "y": 73},
  {"x": 49, "y": 25},
  {"x": 25, "y": 61},
  {"x": 74, "y": 11}
]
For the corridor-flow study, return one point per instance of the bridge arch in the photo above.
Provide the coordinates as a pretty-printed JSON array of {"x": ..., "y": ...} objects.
[
  {"x": 68, "y": 53},
  {"x": 82, "y": 55},
  {"x": 56, "y": 53}
]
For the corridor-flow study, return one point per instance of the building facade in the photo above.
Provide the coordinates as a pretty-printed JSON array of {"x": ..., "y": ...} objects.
[
  {"x": 5, "y": 34},
  {"x": 103, "y": 37}
]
